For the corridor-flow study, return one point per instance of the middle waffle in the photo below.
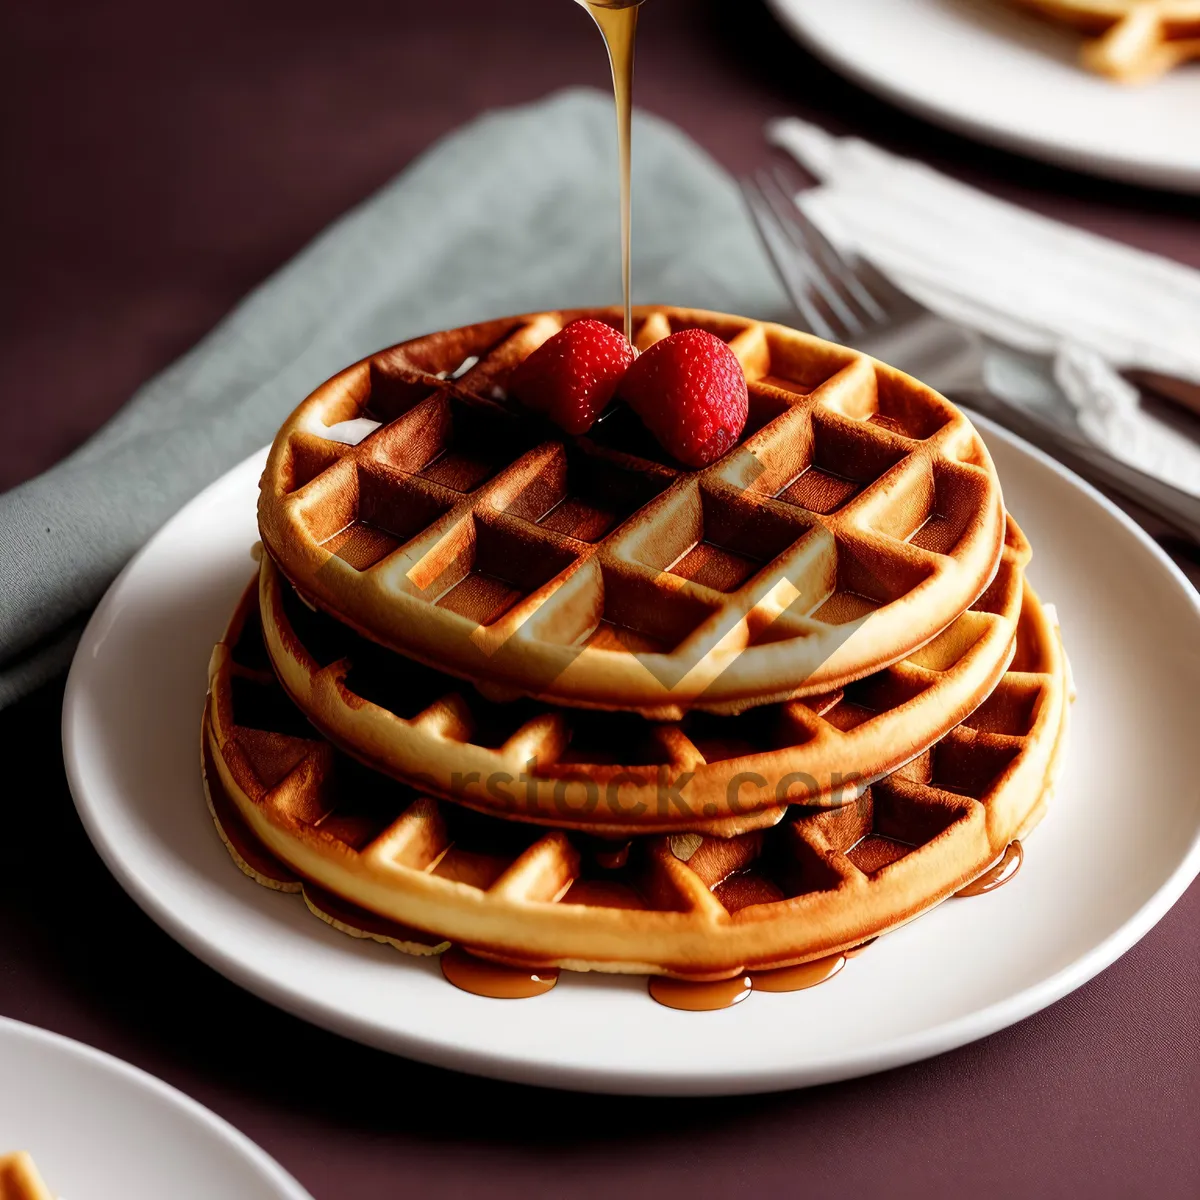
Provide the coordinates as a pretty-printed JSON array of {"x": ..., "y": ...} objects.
[{"x": 619, "y": 773}]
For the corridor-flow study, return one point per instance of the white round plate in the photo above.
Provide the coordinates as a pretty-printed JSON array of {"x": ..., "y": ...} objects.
[
  {"x": 1005, "y": 76},
  {"x": 101, "y": 1129},
  {"x": 1117, "y": 849}
]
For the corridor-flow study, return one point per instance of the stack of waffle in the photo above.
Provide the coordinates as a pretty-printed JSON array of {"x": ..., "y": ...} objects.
[{"x": 560, "y": 702}]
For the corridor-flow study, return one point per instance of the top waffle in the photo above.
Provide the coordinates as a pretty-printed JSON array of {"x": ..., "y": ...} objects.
[
  {"x": 1133, "y": 40},
  {"x": 859, "y": 515}
]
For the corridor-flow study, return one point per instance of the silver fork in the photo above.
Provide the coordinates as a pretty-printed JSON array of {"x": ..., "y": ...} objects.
[{"x": 848, "y": 300}]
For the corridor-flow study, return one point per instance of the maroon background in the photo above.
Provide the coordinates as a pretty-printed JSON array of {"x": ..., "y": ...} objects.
[{"x": 159, "y": 160}]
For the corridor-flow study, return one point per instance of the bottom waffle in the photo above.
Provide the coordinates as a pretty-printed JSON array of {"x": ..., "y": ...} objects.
[{"x": 381, "y": 860}]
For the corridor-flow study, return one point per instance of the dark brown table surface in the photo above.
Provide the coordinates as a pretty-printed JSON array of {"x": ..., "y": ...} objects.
[{"x": 161, "y": 159}]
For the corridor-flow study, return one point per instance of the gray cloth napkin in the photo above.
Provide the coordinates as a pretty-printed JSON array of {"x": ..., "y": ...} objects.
[{"x": 515, "y": 212}]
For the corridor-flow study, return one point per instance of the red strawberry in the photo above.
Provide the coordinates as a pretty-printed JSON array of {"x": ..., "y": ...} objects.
[
  {"x": 690, "y": 391},
  {"x": 572, "y": 377}
]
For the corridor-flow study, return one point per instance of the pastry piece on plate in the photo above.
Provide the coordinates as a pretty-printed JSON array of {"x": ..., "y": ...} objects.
[
  {"x": 1129, "y": 40},
  {"x": 19, "y": 1179}
]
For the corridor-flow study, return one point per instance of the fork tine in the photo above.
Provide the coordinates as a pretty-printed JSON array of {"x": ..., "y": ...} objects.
[
  {"x": 862, "y": 274},
  {"x": 779, "y": 248},
  {"x": 786, "y": 213},
  {"x": 844, "y": 271}
]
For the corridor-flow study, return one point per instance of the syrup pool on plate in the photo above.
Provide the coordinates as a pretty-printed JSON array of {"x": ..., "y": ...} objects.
[{"x": 484, "y": 978}]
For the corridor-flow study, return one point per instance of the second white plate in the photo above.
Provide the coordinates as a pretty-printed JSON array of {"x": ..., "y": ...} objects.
[
  {"x": 101, "y": 1129},
  {"x": 1117, "y": 849},
  {"x": 990, "y": 71}
]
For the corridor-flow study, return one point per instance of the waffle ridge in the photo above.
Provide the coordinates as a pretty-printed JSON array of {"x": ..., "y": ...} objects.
[
  {"x": 858, "y": 517},
  {"x": 688, "y": 905}
]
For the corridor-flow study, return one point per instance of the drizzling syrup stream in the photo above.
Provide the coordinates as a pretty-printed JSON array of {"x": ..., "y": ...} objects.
[{"x": 617, "y": 20}]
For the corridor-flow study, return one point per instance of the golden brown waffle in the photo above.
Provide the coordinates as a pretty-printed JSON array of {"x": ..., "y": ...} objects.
[
  {"x": 687, "y": 905},
  {"x": 612, "y": 773},
  {"x": 19, "y": 1179},
  {"x": 1130, "y": 40},
  {"x": 858, "y": 517}
]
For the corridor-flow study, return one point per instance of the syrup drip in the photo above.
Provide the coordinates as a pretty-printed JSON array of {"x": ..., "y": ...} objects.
[
  {"x": 483, "y": 978},
  {"x": 855, "y": 951},
  {"x": 700, "y": 997},
  {"x": 725, "y": 993},
  {"x": 998, "y": 874},
  {"x": 617, "y": 20}
]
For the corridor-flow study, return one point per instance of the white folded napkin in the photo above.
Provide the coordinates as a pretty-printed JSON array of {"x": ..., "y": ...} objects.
[{"x": 1094, "y": 306}]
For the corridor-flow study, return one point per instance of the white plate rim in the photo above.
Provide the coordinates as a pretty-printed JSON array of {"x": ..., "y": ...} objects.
[
  {"x": 513, "y": 1067},
  {"x": 1124, "y": 167},
  {"x": 254, "y": 1155}
]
